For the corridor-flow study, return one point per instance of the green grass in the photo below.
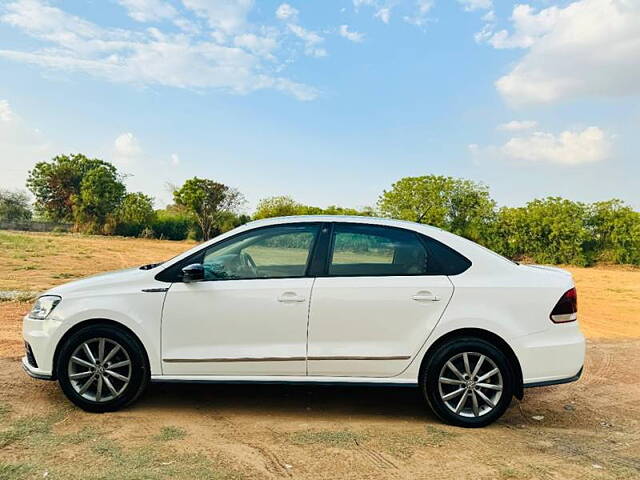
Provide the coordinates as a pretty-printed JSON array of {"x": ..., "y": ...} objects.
[
  {"x": 31, "y": 427},
  {"x": 103, "y": 458},
  {"x": 14, "y": 471},
  {"x": 329, "y": 438},
  {"x": 171, "y": 433},
  {"x": 404, "y": 444}
]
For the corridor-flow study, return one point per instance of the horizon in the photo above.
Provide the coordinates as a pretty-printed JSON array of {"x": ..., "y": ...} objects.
[{"x": 328, "y": 102}]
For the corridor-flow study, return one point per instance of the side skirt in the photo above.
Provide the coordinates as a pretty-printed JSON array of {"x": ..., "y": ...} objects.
[{"x": 344, "y": 381}]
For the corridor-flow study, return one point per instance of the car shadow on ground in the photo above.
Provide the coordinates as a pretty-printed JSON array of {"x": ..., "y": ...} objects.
[{"x": 290, "y": 400}]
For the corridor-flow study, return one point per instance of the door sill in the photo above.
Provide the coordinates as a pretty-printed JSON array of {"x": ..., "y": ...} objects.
[{"x": 274, "y": 379}]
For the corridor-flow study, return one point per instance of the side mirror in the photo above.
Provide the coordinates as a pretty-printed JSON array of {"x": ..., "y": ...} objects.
[{"x": 193, "y": 273}]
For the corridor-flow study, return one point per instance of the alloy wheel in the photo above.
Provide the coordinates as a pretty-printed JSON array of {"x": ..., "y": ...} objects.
[
  {"x": 470, "y": 384},
  {"x": 99, "y": 369}
]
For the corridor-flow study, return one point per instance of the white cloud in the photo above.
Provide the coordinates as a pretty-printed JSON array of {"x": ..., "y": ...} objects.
[
  {"x": 286, "y": 12},
  {"x": 126, "y": 149},
  {"x": 21, "y": 146},
  {"x": 517, "y": 125},
  {"x": 529, "y": 27},
  {"x": 421, "y": 16},
  {"x": 353, "y": 36},
  {"x": 587, "y": 48},
  {"x": 260, "y": 45},
  {"x": 230, "y": 16},
  {"x": 471, "y": 5},
  {"x": 174, "y": 160},
  {"x": 489, "y": 17},
  {"x": 415, "y": 12},
  {"x": 6, "y": 114},
  {"x": 149, "y": 10},
  {"x": 384, "y": 14},
  {"x": 567, "y": 148},
  {"x": 150, "y": 57},
  {"x": 311, "y": 40}
]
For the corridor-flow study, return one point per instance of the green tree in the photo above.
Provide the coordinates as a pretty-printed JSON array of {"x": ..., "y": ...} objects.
[
  {"x": 336, "y": 210},
  {"x": 460, "y": 206},
  {"x": 135, "y": 214},
  {"x": 209, "y": 202},
  {"x": 282, "y": 206},
  {"x": 615, "y": 232},
  {"x": 14, "y": 206},
  {"x": 101, "y": 192},
  {"x": 56, "y": 184},
  {"x": 418, "y": 199},
  {"x": 549, "y": 230}
]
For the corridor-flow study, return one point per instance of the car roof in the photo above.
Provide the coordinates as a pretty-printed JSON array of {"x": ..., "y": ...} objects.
[{"x": 341, "y": 218}]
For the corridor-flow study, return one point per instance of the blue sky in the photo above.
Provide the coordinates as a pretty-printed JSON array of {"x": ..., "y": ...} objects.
[{"x": 328, "y": 101}]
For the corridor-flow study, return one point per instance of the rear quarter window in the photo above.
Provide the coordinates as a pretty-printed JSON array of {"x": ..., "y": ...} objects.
[{"x": 444, "y": 260}]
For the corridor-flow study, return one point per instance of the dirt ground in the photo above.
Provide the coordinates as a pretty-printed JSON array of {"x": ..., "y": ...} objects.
[{"x": 588, "y": 429}]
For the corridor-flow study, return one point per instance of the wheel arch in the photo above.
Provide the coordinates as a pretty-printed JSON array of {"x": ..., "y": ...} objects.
[
  {"x": 94, "y": 322},
  {"x": 489, "y": 337}
]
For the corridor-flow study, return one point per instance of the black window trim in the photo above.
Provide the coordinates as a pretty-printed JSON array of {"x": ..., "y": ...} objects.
[
  {"x": 161, "y": 276},
  {"x": 321, "y": 252},
  {"x": 422, "y": 239}
]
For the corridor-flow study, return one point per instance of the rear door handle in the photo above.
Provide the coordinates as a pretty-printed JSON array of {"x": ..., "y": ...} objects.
[
  {"x": 291, "y": 297},
  {"x": 425, "y": 297}
]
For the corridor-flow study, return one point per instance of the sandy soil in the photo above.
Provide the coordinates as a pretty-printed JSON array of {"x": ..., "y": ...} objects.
[{"x": 588, "y": 429}]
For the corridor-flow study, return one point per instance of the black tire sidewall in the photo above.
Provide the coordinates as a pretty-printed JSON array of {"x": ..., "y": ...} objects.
[
  {"x": 430, "y": 375},
  {"x": 139, "y": 370}
]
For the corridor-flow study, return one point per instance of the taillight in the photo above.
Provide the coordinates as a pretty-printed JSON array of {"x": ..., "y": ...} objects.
[{"x": 566, "y": 310}]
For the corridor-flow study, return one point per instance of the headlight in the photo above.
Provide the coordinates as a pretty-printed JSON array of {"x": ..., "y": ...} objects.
[{"x": 44, "y": 306}]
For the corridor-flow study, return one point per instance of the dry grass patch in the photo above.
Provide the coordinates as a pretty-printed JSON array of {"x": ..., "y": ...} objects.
[{"x": 38, "y": 261}]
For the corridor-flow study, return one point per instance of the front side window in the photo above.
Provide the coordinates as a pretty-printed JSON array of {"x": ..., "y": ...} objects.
[
  {"x": 371, "y": 250},
  {"x": 270, "y": 252}
]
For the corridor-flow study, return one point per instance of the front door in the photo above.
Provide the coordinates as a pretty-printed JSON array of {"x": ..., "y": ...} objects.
[
  {"x": 249, "y": 315},
  {"x": 377, "y": 304}
]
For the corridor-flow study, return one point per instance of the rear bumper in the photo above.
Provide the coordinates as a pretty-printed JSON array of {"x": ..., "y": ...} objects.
[
  {"x": 551, "y": 357},
  {"x": 560, "y": 381}
]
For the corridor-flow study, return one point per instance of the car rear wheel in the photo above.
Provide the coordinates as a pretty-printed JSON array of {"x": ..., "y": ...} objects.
[
  {"x": 101, "y": 368},
  {"x": 468, "y": 382}
]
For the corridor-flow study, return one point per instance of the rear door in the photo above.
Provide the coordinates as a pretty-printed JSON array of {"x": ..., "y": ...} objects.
[{"x": 375, "y": 305}]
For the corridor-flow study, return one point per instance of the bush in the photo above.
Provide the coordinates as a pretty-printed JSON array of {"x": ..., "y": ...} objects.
[
  {"x": 171, "y": 225},
  {"x": 615, "y": 232}
]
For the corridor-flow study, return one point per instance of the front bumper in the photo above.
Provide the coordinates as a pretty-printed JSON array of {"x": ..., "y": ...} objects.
[
  {"x": 42, "y": 337},
  {"x": 35, "y": 372}
]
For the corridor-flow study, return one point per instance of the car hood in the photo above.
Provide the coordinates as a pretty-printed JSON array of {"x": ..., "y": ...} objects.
[{"x": 128, "y": 275}]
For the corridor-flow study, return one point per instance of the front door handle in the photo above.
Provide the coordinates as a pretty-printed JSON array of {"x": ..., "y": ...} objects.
[
  {"x": 291, "y": 297},
  {"x": 425, "y": 297}
]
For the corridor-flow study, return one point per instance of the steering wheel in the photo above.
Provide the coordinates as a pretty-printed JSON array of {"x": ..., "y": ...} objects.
[{"x": 248, "y": 263}]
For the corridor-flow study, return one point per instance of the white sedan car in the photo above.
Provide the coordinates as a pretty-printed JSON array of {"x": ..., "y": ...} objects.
[{"x": 316, "y": 299}]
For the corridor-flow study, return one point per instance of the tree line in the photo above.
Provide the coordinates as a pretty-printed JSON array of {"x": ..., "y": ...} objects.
[{"x": 91, "y": 195}]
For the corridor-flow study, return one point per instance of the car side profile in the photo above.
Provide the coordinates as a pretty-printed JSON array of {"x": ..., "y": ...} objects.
[{"x": 316, "y": 299}]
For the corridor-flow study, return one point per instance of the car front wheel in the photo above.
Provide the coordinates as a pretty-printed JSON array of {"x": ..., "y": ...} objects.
[
  {"x": 468, "y": 382},
  {"x": 102, "y": 368}
]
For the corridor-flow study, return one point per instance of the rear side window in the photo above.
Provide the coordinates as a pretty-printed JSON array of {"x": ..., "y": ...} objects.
[
  {"x": 444, "y": 260},
  {"x": 372, "y": 250}
]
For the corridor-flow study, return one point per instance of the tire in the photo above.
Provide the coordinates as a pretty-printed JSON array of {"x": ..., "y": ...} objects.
[
  {"x": 444, "y": 397},
  {"x": 113, "y": 383}
]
